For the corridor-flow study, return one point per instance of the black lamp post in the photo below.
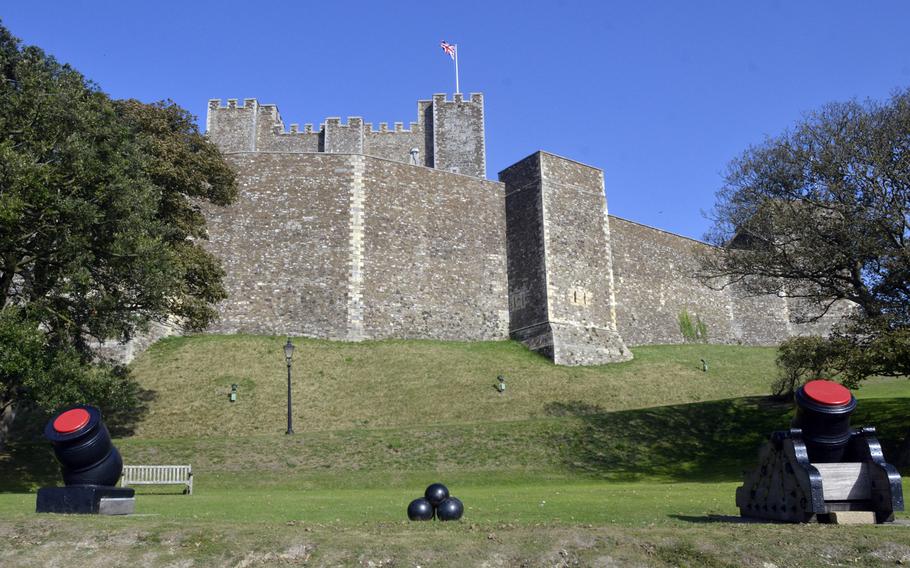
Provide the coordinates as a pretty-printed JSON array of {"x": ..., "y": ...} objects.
[{"x": 288, "y": 354}]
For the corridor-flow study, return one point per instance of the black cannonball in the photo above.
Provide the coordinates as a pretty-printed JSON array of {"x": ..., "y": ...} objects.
[
  {"x": 420, "y": 510},
  {"x": 450, "y": 509},
  {"x": 436, "y": 493}
]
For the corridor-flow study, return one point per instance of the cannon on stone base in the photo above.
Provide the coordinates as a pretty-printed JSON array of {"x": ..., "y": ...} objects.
[
  {"x": 820, "y": 469},
  {"x": 90, "y": 464}
]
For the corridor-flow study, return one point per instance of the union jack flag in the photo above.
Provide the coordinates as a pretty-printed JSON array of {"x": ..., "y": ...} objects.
[{"x": 448, "y": 48}]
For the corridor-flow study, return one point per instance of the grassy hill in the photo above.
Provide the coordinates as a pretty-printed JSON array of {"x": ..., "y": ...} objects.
[
  {"x": 632, "y": 462},
  {"x": 379, "y": 384}
]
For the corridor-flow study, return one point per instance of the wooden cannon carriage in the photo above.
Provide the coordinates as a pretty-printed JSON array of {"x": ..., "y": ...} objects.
[{"x": 820, "y": 469}]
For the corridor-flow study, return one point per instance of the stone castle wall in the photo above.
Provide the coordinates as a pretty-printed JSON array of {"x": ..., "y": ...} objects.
[
  {"x": 347, "y": 246},
  {"x": 434, "y": 254},
  {"x": 458, "y": 136},
  {"x": 654, "y": 279},
  {"x": 285, "y": 245},
  {"x": 350, "y": 232}
]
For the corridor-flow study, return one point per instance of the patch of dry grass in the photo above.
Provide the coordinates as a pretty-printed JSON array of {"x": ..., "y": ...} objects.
[{"x": 151, "y": 541}]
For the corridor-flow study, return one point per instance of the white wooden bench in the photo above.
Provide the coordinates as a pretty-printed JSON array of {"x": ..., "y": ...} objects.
[{"x": 158, "y": 475}]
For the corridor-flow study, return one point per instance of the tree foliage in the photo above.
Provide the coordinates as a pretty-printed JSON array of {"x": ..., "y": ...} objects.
[
  {"x": 99, "y": 227},
  {"x": 802, "y": 359},
  {"x": 822, "y": 213}
]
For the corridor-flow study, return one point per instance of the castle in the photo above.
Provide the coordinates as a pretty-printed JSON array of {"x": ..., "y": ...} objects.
[{"x": 352, "y": 232}]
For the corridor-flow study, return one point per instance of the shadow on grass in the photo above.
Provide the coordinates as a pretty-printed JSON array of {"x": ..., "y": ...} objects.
[
  {"x": 123, "y": 423},
  {"x": 27, "y": 465},
  {"x": 709, "y": 441},
  {"x": 27, "y": 461},
  {"x": 709, "y": 519}
]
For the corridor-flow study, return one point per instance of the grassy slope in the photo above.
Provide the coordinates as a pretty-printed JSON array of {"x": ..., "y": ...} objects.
[
  {"x": 415, "y": 383},
  {"x": 627, "y": 462},
  {"x": 424, "y": 406}
]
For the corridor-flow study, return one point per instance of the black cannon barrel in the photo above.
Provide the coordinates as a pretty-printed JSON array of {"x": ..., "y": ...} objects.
[
  {"x": 823, "y": 411},
  {"x": 83, "y": 447}
]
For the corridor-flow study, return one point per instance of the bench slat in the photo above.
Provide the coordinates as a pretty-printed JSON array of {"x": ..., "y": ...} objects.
[{"x": 158, "y": 475}]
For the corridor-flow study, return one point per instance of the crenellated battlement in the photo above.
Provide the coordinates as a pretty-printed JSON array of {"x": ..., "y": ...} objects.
[
  {"x": 448, "y": 133},
  {"x": 458, "y": 98},
  {"x": 397, "y": 127},
  {"x": 294, "y": 128},
  {"x": 232, "y": 104}
]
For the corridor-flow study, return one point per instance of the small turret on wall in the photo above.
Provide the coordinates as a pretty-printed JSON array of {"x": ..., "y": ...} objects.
[
  {"x": 458, "y": 139},
  {"x": 233, "y": 127}
]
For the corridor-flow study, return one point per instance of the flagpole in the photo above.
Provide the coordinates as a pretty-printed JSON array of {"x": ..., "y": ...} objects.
[{"x": 456, "y": 69}]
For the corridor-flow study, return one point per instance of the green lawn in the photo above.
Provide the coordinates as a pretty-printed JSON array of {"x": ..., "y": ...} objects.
[
  {"x": 488, "y": 498},
  {"x": 628, "y": 464}
]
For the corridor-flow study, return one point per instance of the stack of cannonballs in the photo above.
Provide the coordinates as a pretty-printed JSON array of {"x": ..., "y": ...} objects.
[{"x": 437, "y": 502}]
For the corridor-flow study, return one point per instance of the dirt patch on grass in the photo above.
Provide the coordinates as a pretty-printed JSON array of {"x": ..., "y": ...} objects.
[
  {"x": 893, "y": 552},
  {"x": 297, "y": 554}
]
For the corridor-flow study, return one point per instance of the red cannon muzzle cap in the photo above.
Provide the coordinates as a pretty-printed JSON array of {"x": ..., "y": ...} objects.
[
  {"x": 827, "y": 393},
  {"x": 71, "y": 420}
]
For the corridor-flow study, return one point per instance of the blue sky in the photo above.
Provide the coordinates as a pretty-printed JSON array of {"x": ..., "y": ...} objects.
[{"x": 660, "y": 95}]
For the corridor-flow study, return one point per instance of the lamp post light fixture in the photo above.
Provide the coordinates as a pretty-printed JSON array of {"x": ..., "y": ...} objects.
[{"x": 288, "y": 354}]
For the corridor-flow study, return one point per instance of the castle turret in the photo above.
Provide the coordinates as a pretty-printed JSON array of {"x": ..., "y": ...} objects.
[
  {"x": 458, "y": 135},
  {"x": 561, "y": 301},
  {"x": 343, "y": 138},
  {"x": 233, "y": 127}
]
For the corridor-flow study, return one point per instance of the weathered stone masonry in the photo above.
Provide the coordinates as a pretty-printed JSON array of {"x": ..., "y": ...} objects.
[
  {"x": 654, "y": 280},
  {"x": 347, "y": 246},
  {"x": 560, "y": 278},
  {"x": 349, "y": 232}
]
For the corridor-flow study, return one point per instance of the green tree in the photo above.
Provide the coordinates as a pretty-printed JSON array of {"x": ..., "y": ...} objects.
[
  {"x": 99, "y": 228},
  {"x": 802, "y": 359},
  {"x": 822, "y": 214}
]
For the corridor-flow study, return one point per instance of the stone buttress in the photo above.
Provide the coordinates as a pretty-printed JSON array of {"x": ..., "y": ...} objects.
[{"x": 561, "y": 300}]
